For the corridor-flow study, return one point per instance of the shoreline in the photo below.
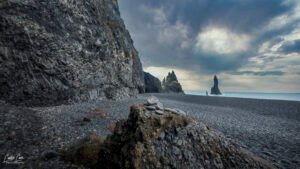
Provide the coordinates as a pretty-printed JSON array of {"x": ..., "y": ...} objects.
[
  {"x": 232, "y": 97},
  {"x": 269, "y": 106},
  {"x": 253, "y": 95}
]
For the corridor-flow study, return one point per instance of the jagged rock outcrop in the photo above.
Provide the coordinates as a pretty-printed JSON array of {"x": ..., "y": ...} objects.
[
  {"x": 170, "y": 84},
  {"x": 148, "y": 139},
  {"x": 152, "y": 84},
  {"x": 215, "y": 89},
  {"x": 65, "y": 50}
]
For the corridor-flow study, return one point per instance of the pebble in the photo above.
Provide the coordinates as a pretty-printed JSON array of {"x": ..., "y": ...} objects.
[
  {"x": 49, "y": 155},
  {"x": 1, "y": 129},
  {"x": 176, "y": 111},
  {"x": 159, "y": 106},
  {"x": 181, "y": 112},
  {"x": 147, "y": 114},
  {"x": 170, "y": 110},
  {"x": 179, "y": 142},
  {"x": 176, "y": 150},
  {"x": 162, "y": 135},
  {"x": 159, "y": 112},
  {"x": 152, "y": 100},
  {"x": 150, "y": 108},
  {"x": 85, "y": 119},
  {"x": 188, "y": 154}
]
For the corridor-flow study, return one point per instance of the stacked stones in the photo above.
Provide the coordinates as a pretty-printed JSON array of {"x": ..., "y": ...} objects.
[{"x": 153, "y": 104}]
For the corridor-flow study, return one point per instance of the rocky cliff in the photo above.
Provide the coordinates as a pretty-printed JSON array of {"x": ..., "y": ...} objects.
[
  {"x": 215, "y": 89},
  {"x": 152, "y": 84},
  {"x": 65, "y": 50},
  {"x": 170, "y": 84}
]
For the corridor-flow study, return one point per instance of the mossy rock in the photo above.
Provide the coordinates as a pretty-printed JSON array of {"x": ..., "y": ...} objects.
[{"x": 85, "y": 152}]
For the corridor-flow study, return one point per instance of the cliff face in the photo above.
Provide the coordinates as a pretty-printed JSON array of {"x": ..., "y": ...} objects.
[
  {"x": 215, "y": 89},
  {"x": 65, "y": 50},
  {"x": 170, "y": 84},
  {"x": 152, "y": 84}
]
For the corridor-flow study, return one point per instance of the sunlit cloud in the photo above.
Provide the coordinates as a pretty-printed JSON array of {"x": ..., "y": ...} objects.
[{"x": 221, "y": 41}]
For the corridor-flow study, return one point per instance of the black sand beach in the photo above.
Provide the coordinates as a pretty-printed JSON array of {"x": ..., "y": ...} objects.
[{"x": 270, "y": 129}]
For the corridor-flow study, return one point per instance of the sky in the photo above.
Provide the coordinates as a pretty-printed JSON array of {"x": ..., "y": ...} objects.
[{"x": 251, "y": 45}]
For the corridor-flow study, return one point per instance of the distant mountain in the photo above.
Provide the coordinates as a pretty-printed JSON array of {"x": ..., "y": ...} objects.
[
  {"x": 170, "y": 84},
  {"x": 215, "y": 89},
  {"x": 152, "y": 84}
]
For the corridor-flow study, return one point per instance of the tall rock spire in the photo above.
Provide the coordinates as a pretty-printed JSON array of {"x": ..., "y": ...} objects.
[
  {"x": 171, "y": 85},
  {"x": 215, "y": 89}
]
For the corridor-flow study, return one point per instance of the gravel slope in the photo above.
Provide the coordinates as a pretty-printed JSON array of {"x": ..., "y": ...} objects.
[{"x": 270, "y": 129}]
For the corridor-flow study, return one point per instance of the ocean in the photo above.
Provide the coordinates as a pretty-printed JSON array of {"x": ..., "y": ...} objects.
[{"x": 254, "y": 95}]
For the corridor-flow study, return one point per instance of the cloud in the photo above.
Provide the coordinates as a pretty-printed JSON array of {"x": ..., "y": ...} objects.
[
  {"x": 288, "y": 18},
  {"x": 221, "y": 41},
  {"x": 172, "y": 34},
  {"x": 169, "y": 32},
  {"x": 291, "y": 46},
  {"x": 250, "y": 38},
  {"x": 259, "y": 73}
]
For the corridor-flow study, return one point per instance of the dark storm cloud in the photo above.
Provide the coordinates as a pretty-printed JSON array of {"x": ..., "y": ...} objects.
[
  {"x": 240, "y": 15},
  {"x": 259, "y": 73},
  {"x": 156, "y": 27},
  {"x": 215, "y": 63},
  {"x": 243, "y": 16}
]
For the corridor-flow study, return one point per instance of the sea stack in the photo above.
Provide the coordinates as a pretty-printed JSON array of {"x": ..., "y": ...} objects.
[
  {"x": 170, "y": 84},
  {"x": 215, "y": 89},
  {"x": 152, "y": 84},
  {"x": 59, "y": 51}
]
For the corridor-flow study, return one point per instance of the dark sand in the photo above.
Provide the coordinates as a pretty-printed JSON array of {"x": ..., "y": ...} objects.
[{"x": 268, "y": 128}]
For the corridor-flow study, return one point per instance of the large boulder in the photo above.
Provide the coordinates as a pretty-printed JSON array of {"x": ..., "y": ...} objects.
[
  {"x": 171, "y": 84},
  {"x": 65, "y": 50},
  {"x": 215, "y": 89},
  {"x": 152, "y": 140},
  {"x": 152, "y": 84}
]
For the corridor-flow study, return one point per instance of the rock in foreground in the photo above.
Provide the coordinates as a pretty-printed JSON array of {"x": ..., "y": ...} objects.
[
  {"x": 65, "y": 50},
  {"x": 151, "y": 140}
]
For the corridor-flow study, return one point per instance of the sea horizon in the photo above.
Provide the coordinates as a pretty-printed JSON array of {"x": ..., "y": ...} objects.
[{"x": 287, "y": 96}]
